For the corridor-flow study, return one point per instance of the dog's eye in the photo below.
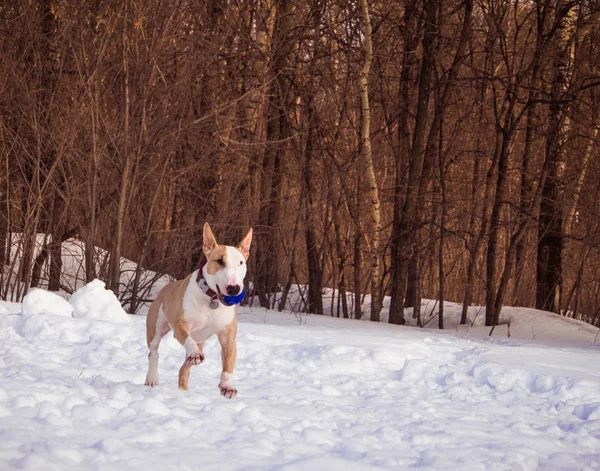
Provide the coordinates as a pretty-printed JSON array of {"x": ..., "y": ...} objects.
[
  {"x": 241, "y": 263},
  {"x": 221, "y": 262}
]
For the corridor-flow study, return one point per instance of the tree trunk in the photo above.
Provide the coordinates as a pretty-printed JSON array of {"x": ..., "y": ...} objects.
[
  {"x": 431, "y": 148},
  {"x": 474, "y": 241},
  {"x": 92, "y": 189},
  {"x": 527, "y": 176},
  {"x": 412, "y": 298},
  {"x": 114, "y": 274},
  {"x": 402, "y": 227},
  {"x": 267, "y": 265},
  {"x": 492, "y": 257},
  {"x": 372, "y": 187},
  {"x": 341, "y": 258},
  {"x": 550, "y": 235},
  {"x": 580, "y": 179},
  {"x": 526, "y": 192},
  {"x": 357, "y": 253},
  {"x": 4, "y": 217},
  {"x": 410, "y": 38},
  {"x": 57, "y": 227},
  {"x": 444, "y": 207},
  {"x": 315, "y": 273}
]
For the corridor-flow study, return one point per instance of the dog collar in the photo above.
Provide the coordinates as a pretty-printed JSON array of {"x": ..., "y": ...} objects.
[{"x": 207, "y": 290}]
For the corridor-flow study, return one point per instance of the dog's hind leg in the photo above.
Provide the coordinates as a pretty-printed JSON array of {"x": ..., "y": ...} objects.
[
  {"x": 184, "y": 375},
  {"x": 161, "y": 329},
  {"x": 193, "y": 352}
]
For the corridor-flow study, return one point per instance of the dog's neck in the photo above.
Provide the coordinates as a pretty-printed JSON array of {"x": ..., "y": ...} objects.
[{"x": 203, "y": 284}]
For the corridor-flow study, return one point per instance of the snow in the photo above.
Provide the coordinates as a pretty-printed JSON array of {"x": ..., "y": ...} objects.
[
  {"x": 314, "y": 393},
  {"x": 73, "y": 274},
  {"x": 38, "y": 301},
  {"x": 94, "y": 301},
  {"x": 515, "y": 322}
]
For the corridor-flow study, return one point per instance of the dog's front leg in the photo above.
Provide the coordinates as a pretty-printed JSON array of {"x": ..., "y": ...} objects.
[
  {"x": 228, "y": 354},
  {"x": 193, "y": 354}
]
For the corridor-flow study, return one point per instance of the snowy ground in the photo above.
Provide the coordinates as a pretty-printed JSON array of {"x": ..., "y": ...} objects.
[{"x": 315, "y": 393}]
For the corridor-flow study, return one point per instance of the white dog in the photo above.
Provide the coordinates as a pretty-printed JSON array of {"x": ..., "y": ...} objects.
[{"x": 201, "y": 305}]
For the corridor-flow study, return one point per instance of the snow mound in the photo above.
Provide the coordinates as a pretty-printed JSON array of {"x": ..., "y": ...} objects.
[
  {"x": 94, "y": 301},
  {"x": 39, "y": 301}
]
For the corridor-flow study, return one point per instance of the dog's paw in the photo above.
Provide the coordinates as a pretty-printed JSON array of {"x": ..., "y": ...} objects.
[
  {"x": 151, "y": 381},
  {"x": 227, "y": 392},
  {"x": 195, "y": 358}
]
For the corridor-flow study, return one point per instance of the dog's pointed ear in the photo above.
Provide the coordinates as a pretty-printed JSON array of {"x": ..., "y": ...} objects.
[
  {"x": 244, "y": 245},
  {"x": 209, "y": 241}
]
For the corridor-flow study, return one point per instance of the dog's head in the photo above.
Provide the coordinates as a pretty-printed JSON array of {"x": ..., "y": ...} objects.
[{"x": 225, "y": 265}]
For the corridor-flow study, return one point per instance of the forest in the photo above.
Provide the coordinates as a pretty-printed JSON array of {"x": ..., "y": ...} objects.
[{"x": 441, "y": 149}]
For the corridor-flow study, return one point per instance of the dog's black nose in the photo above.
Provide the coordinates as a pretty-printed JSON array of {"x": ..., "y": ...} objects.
[{"x": 233, "y": 290}]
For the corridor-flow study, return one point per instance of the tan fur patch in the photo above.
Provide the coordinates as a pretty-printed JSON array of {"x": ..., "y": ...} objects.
[{"x": 213, "y": 266}]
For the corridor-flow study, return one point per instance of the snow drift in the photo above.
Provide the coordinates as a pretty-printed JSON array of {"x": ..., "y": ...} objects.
[
  {"x": 39, "y": 301},
  {"x": 94, "y": 301}
]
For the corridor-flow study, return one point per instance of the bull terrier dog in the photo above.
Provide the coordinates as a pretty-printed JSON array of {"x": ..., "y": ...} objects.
[{"x": 200, "y": 306}]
